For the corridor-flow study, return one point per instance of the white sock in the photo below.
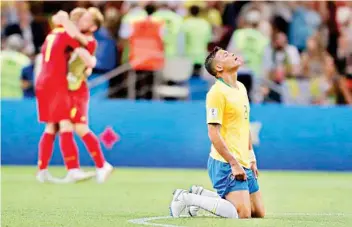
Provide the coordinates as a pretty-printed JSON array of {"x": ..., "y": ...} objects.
[
  {"x": 218, "y": 206},
  {"x": 209, "y": 193}
]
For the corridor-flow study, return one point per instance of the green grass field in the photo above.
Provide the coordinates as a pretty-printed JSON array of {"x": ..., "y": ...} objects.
[{"x": 291, "y": 198}]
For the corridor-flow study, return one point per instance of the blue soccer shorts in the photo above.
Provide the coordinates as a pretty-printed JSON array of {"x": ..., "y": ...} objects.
[{"x": 224, "y": 182}]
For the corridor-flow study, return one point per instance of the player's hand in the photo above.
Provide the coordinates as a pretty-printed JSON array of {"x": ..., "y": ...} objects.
[
  {"x": 59, "y": 17},
  {"x": 62, "y": 14},
  {"x": 88, "y": 72},
  {"x": 238, "y": 172},
  {"x": 254, "y": 168}
]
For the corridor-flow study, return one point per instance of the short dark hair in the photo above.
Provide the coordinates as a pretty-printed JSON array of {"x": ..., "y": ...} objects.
[
  {"x": 209, "y": 66},
  {"x": 150, "y": 9},
  {"x": 194, "y": 10}
]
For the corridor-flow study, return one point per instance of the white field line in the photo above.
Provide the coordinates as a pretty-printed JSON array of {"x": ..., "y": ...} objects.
[{"x": 147, "y": 220}]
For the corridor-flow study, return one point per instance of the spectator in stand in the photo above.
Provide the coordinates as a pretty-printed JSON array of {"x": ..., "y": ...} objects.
[
  {"x": 329, "y": 27},
  {"x": 173, "y": 35},
  {"x": 12, "y": 63},
  {"x": 108, "y": 35},
  {"x": 266, "y": 11},
  {"x": 213, "y": 13},
  {"x": 198, "y": 35},
  {"x": 112, "y": 21},
  {"x": 230, "y": 16},
  {"x": 318, "y": 67},
  {"x": 232, "y": 13},
  {"x": 32, "y": 32},
  {"x": 3, "y": 23},
  {"x": 250, "y": 43},
  {"x": 344, "y": 58},
  {"x": 281, "y": 61},
  {"x": 305, "y": 22},
  {"x": 282, "y": 16},
  {"x": 344, "y": 21},
  {"x": 106, "y": 52},
  {"x": 189, "y": 3}
]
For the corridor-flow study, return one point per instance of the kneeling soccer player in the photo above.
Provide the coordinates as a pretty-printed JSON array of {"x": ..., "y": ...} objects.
[{"x": 232, "y": 166}]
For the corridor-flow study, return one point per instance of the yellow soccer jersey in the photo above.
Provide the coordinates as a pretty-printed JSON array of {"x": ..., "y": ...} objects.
[
  {"x": 229, "y": 107},
  {"x": 77, "y": 67},
  {"x": 76, "y": 72}
]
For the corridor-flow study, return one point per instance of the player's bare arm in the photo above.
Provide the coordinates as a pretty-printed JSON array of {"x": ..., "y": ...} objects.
[
  {"x": 62, "y": 18},
  {"x": 89, "y": 60},
  {"x": 220, "y": 145}
]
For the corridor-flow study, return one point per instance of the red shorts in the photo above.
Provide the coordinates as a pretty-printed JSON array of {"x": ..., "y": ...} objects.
[
  {"x": 79, "y": 104},
  {"x": 53, "y": 105}
]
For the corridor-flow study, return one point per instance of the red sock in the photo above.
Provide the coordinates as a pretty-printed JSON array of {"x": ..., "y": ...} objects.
[
  {"x": 46, "y": 145},
  {"x": 69, "y": 150},
  {"x": 93, "y": 146}
]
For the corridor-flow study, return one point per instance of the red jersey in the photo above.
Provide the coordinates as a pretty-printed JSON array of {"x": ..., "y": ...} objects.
[
  {"x": 92, "y": 46},
  {"x": 56, "y": 52}
]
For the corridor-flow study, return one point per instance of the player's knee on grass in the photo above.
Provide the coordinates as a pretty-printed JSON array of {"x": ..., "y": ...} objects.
[
  {"x": 257, "y": 205},
  {"x": 240, "y": 199},
  {"x": 258, "y": 213},
  {"x": 66, "y": 126},
  {"x": 81, "y": 129},
  {"x": 51, "y": 128},
  {"x": 243, "y": 211}
]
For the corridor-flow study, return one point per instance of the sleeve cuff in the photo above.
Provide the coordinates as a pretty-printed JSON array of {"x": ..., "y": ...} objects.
[{"x": 214, "y": 122}]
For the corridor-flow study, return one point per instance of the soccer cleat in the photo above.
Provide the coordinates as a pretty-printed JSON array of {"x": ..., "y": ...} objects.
[
  {"x": 196, "y": 189},
  {"x": 74, "y": 176},
  {"x": 43, "y": 176},
  {"x": 193, "y": 210},
  {"x": 177, "y": 204},
  {"x": 104, "y": 172}
]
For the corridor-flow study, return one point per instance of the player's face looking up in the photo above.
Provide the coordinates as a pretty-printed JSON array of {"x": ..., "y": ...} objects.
[{"x": 226, "y": 61}]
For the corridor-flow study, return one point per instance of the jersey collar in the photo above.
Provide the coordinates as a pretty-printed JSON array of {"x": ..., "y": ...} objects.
[{"x": 223, "y": 81}]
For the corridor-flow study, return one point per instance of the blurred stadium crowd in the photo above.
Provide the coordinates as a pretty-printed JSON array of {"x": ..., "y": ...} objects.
[{"x": 294, "y": 52}]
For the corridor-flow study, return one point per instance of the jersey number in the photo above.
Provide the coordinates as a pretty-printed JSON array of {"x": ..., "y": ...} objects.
[
  {"x": 49, "y": 46},
  {"x": 245, "y": 112}
]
